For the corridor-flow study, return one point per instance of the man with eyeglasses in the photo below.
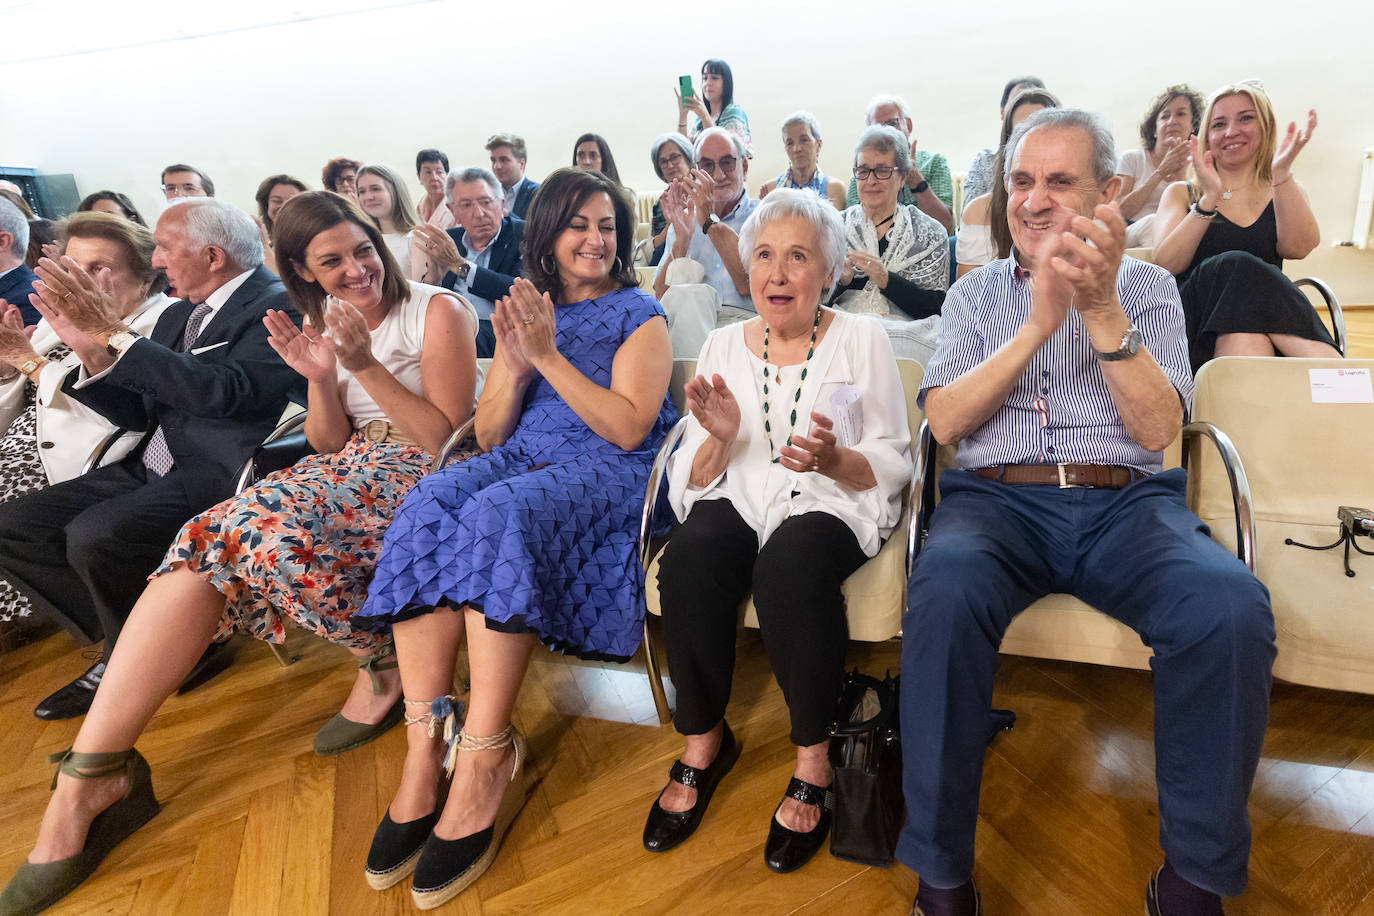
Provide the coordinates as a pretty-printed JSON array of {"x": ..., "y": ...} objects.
[
  {"x": 705, "y": 211},
  {"x": 928, "y": 185},
  {"x": 479, "y": 258},
  {"x": 182, "y": 180}
]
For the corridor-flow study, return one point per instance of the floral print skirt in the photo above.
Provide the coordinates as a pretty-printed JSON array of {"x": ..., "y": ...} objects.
[{"x": 303, "y": 542}]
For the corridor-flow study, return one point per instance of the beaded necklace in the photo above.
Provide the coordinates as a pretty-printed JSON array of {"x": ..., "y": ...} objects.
[{"x": 796, "y": 398}]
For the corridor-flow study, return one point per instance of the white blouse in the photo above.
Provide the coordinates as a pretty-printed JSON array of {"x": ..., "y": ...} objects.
[
  {"x": 854, "y": 352},
  {"x": 975, "y": 245}
]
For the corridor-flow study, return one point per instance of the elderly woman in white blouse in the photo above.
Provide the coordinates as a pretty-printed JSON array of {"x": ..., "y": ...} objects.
[{"x": 788, "y": 479}]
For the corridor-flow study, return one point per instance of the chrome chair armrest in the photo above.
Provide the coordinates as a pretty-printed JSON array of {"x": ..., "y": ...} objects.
[
  {"x": 922, "y": 499},
  {"x": 288, "y": 427},
  {"x": 1333, "y": 306},
  {"x": 451, "y": 444},
  {"x": 1240, "y": 485}
]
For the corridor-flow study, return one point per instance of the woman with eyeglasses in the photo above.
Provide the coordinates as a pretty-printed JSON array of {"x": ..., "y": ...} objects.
[
  {"x": 672, "y": 158},
  {"x": 715, "y": 105},
  {"x": 897, "y": 267}
]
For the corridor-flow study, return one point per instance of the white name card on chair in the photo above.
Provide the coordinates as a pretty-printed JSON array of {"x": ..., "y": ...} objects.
[{"x": 1341, "y": 386}]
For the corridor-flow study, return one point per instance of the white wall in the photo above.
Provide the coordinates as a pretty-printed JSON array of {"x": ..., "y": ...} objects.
[{"x": 379, "y": 85}]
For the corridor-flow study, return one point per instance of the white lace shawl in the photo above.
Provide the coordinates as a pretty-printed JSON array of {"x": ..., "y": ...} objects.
[{"x": 913, "y": 252}]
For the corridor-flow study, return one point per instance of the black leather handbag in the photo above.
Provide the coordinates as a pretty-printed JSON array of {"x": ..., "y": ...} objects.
[{"x": 866, "y": 753}]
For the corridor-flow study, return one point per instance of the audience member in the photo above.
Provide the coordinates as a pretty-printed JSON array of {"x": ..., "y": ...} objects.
[
  {"x": 182, "y": 180},
  {"x": 16, "y": 279},
  {"x": 801, "y": 140},
  {"x": 714, "y": 106},
  {"x": 980, "y": 179},
  {"x": 1087, "y": 365},
  {"x": 984, "y": 234},
  {"x": 49, "y": 434},
  {"x": 12, "y": 195},
  {"x": 532, "y": 541},
  {"x": 1226, "y": 237},
  {"x": 783, "y": 516},
  {"x": 508, "y": 164},
  {"x": 383, "y": 196},
  {"x": 111, "y": 202},
  {"x": 206, "y": 387},
  {"x": 42, "y": 238},
  {"x": 1173, "y": 117},
  {"x": 672, "y": 158},
  {"x": 431, "y": 167},
  {"x": 273, "y": 192},
  {"x": 341, "y": 176},
  {"x": 897, "y": 266},
  {"x": 705, "y": 214},
  {"x": 386, "y": 387},
  {"x": 480, "y": 258},
  {"x": 590, "y": 152},
  {"x": 929, "y": 185}
]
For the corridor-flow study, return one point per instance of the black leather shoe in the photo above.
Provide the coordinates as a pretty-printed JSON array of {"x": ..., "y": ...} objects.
[
  {"x": 217, "y": 657},
  {"x": 786, "y": 849},
  {"x": 395, "y": 847},
  {"x": 74, "y": 699},
  {"x": 963, "y": 900},
  {"x": 665, "y": 829}
]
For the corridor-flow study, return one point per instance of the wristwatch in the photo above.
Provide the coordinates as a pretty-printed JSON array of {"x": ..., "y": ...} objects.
[
  {"x": 463, "y": 270},
  {"x": 711, "y": 220},
  {"x": 29, "y": 366},
  {"x": 921, "y": 188},
  {"x": 120, "y": 341},
  {"x": 1130, "y": 346}
]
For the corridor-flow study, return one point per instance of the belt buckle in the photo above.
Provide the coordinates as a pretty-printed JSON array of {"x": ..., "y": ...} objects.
[
  {"x": 1064, "y": 480},
  {"x": 376, "y": 430}
]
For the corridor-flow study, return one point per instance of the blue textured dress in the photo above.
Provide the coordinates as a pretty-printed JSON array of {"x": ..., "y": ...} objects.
[{"x": 539, "y": 533}]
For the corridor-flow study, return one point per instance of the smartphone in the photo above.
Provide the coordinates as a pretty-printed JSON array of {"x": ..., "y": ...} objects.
[{"x": 684, "y": 87}]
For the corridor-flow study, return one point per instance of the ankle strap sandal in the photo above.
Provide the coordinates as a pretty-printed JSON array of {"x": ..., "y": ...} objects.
[
  {"x": 439, "y": 716},
  {"x": 383, "y": 658},
  {"x": 97, "y": 765}
]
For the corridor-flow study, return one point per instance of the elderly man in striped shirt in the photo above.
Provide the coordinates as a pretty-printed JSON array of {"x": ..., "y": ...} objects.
[{"x": 1062, "y": 372}]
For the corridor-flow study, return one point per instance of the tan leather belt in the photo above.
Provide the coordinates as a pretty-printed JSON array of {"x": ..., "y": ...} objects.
[
  {"x": 383, "y": 431},
  {"x": 1099, "y": 476}
]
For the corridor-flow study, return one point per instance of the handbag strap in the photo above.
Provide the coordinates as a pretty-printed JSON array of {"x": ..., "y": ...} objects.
[{"x": 856, "y": 686}]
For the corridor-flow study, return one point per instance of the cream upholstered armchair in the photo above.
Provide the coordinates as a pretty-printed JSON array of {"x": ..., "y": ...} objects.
[
  {"x": 875, "y": 595},
  {"x": 1305, "y": 457}
]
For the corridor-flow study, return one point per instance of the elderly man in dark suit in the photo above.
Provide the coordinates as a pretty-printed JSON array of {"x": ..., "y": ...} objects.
[
  {"x": 16, "y": 280},
  {"x": 480, "y": 259},
  {"x": 206, "y": 388}
]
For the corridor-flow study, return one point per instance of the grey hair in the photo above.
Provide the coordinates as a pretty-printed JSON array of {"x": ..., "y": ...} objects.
[
  {"x": 802, "y": 117},
  {"x": 878, "y": 101},
  {"x": 1092, "y": 124},
  {"x": 883, "y": 139},
  {"x": 14, "y": 222},
  {"x": 213, "y": 222},
  {"x": 782, "y": 203},
  {"x": 468, "y": 176},
  {"x": 736, "y": 142},
  {"x": 677, "y": 140}
]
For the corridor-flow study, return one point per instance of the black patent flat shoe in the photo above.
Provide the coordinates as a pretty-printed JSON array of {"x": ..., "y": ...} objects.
[
  {"x": 788, "y": 850},
  {"x": 665, "y": 829}
]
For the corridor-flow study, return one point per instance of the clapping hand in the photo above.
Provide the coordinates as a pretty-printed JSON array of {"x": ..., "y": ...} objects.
[
  {"x": 714, "y": 407},
  {"x": 1293, "y": 142},
  {"x": 702, "y": 188},
  {"x": 524, "y": 324},
  {"x": 304, "y": 349},
  {"x": 865, "y": 263},
  {"x": 348, "y": 331},
  {"x": 815, "y": 452},
  {"x": 1089, "y": 258},
  {"x": 15, "y": 349},
  {"x": 1207, "y": 176},
  {"x": 72, "y": 300},
  {"x": 439, "y": 247},
  {"x": 1175, "y": 159}
]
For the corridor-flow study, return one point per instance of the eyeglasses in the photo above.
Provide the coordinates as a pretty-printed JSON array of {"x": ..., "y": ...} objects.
[
  {"x": 727, "y": 165},
  {"x": 665, "y": 161},
  {"x": 182, "y": 190},
  {"x": 882, "y": 172}
]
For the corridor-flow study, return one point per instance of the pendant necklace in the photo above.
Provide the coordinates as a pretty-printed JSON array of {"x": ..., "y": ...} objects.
[{"x": 796, "y": 398}]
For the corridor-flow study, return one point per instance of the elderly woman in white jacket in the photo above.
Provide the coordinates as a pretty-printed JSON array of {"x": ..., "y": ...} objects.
[
  {"x": 49, "y": 435},
  {"x": 789, "y": 478}
]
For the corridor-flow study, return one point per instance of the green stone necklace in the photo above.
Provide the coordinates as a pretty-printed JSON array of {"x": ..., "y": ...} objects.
[{"x": 796, "y": 398}]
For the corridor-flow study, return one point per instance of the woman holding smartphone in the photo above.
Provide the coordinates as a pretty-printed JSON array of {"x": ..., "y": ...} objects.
[{"x": 715, "y": 106}]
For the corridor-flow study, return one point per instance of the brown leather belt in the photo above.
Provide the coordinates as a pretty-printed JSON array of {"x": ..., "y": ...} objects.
[
  {"x": 1098, "y": 476},
  {"x": 384, "y": 431}
]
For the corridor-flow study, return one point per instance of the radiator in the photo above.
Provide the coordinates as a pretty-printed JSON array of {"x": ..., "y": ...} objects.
[{"x": 1364, "y": 206}]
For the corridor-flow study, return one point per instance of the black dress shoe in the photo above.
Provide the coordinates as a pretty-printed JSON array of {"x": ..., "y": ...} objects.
[
  {"x": 788, "y": 850},
  {"x": 74, "y": 699},
  {"x": 665, "y": 829},
  {"x": 963, "y": 900},
  {"x": 395, "y": 847},
  {"x": 215, "y": 659}
]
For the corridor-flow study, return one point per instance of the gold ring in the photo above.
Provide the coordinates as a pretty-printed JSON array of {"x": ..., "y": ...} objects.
[
  {"x": 529, "y": 320},
  {"x": 816, "y": 463}
]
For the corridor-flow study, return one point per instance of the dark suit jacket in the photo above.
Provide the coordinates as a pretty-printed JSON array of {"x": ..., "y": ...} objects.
[
  {"x": 216, "y": 403},
  {"x": 493, "y": 281},
  {"x": 15, "y": 287},
  {"x": 523, "y": 198}
]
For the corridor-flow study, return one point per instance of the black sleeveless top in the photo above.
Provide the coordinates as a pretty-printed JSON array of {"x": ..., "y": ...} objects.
[{"x": 1260, "y": 238}]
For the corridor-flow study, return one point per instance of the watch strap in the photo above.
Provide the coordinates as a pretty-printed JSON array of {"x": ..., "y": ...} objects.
[
  {"x": 1130, "y": 346},
  {"x": 921, "y": 188},
  {"x": 120, "y": 342}
]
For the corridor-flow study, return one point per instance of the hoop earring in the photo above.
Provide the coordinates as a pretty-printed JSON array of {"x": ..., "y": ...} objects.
[
  {"x": 550, "y": 270},
  {"x": 616, "y": 267}
]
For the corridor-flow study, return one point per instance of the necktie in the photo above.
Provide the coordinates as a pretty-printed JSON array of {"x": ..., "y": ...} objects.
[{"x": 157, "y": 457}]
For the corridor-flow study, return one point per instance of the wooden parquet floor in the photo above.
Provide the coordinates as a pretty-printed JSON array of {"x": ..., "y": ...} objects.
[{"x": 254, "y": 823}]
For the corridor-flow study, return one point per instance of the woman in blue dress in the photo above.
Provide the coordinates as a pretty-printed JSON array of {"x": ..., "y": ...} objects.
[{"x": 532, "y": 541}]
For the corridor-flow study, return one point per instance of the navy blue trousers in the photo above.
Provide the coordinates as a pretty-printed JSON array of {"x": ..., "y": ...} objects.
[{"x": 1137, "y": 554}]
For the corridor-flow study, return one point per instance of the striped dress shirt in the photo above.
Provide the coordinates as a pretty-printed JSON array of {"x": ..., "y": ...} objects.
[{"x": 1060, "y": 410}]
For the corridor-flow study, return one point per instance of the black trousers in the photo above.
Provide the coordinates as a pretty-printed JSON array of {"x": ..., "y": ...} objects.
[
  {"x": 82, "y": 550},
  {"x": 712, "y": 562}
]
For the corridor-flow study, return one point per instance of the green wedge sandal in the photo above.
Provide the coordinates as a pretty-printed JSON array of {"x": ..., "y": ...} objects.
[
  {"x": 34, "y": 888},
  {"x": 340, "y": 734}
]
